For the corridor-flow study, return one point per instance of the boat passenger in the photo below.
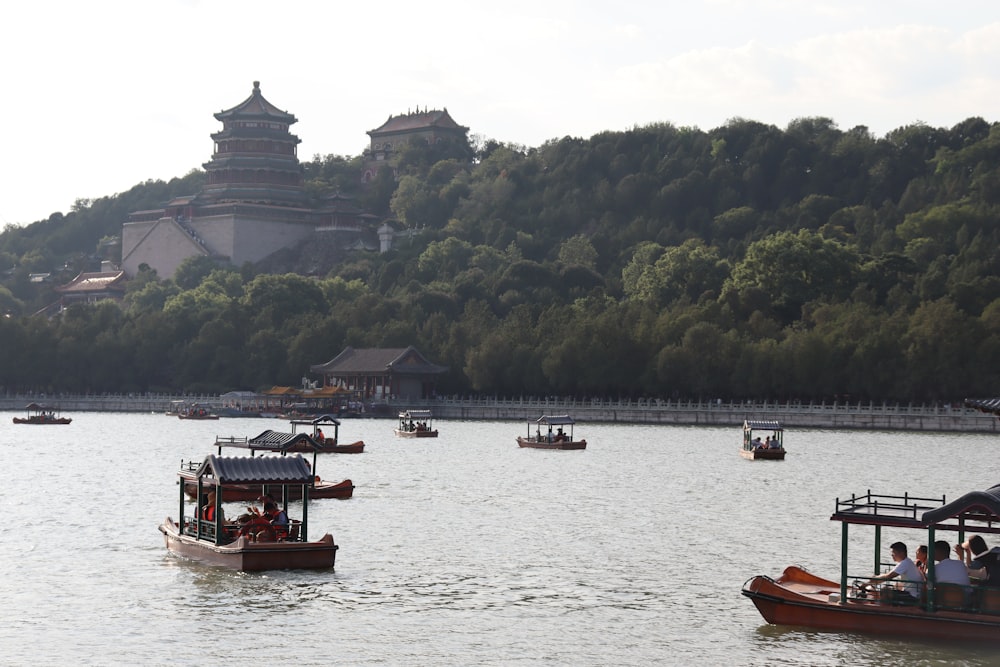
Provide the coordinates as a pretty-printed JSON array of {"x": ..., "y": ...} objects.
[
  {"x": 948, "y": 570},
  {"x": 920, "y": 560},
  {"x": 982, "y": 562},
  {"x": 560, "y": 436},
  {"x": 320, "y": 438},
  {"x": 774, "y": 443},
  {"x": 278, "y": 518},
  {"x": 907, "y": 573},
  {"x": 757, "y": 444}
]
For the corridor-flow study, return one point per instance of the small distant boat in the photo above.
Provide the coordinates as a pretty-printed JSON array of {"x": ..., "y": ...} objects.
[
  {"x": 321, "y": 442},
  {"x": 854, "y": 603},
  {"x": 224, "y": 543},
  {"x": 416, "y": 424},
  {"x": 773, "y": 448},
  {"x": 551, "y": 440},
  {"x": 196, "y": 411},
  {"x": 41, "y": 414}
]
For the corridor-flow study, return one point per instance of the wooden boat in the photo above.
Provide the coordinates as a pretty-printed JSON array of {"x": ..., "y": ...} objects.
[
  {"x": 549, "y": 440},
  {"x": 196, "y": 411},
  {"x": 222, "y": 543},
  {"x": 944, "y": 611},
  {"x": 753, "y": 448},
  {"x": 281, "y": 444},
  {"x": 416, "y": 424},
  {"x": 321, "y": 442},
  {"x": 41, "y": 414}
]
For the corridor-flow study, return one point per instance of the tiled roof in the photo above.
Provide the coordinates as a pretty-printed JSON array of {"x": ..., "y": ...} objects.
[
  {"x": 991, "y": 405},
  {"x": 95, "y": 282},
  {"x": 419, "y": 120},
  {"x": 257, "y": 106},
  {"x": 257, "y": 469},
  {"x": 405, "y": 360}
]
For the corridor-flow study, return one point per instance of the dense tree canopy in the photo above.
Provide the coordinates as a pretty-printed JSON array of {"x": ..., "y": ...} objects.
[{"x": 745, "y": 261}]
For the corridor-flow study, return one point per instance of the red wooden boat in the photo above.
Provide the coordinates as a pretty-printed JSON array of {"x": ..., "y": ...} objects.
[
  {"x": 322, "y": 443},
  {"x": 551, "y": 440},
  {"x": 416, "y": 424},
  {"x": 222, "y": 543},
  {"x": 771, "y": 450},
  {"x": 41, "y": 414},
  {"x": 275, "y": 442},
  {"x": 944, "y": 611},
  {"x": 196, "y": 411}
]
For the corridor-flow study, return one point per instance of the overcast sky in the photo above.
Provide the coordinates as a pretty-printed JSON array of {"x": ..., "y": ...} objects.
[{"x": 99, "y": 96}]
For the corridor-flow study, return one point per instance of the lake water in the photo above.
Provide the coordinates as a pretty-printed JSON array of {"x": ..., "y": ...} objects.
[{"x": 460, "y": 550}]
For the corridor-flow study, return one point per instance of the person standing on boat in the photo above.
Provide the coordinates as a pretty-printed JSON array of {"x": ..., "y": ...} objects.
[
  {"x": 905, "y": 570},
  {"x": 320, "y": 438},
  {"x": 982, "y": 562}
]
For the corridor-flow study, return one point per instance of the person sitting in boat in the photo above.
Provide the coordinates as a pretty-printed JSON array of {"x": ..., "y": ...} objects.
[
  {"x": 278, "y": 519},
  {"x": 948, "y": 570},
  {"x": 920, "y": 560},
  {"x": 774, "y": 444},
  {"x": 560, "y": 436},
  {"x": 208, "y": 509},
  {"x": 756, "y": 443},
  {"x": 982, "y": 562},
  {"x": 320, "y": 438},
  {"x": 907, "y": 573}
]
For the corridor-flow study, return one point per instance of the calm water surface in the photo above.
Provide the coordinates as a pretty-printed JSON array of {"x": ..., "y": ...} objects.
[{"x": 464, "y": 550}]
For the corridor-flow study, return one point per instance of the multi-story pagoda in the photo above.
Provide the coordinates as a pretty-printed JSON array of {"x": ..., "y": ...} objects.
[
  {"x": 255, "y": 157},
  {"x": 252, "y": 205}
]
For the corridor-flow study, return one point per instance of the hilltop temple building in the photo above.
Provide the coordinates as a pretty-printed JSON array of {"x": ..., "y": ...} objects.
[{"x": 253, "y": 203}]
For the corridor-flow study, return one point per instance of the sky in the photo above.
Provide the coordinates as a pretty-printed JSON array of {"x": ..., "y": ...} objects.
[{"x": 97, "y": 97}]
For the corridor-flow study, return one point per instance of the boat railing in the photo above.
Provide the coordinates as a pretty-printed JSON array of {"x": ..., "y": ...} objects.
[
  {"x": 974, "y": 598},
  {"x": 221, "y": 440},
  {"x": 898, "y": 507}
]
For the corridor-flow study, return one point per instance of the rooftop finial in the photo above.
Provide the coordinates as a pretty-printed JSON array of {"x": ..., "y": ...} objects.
[{"x": 256, "y": 86}]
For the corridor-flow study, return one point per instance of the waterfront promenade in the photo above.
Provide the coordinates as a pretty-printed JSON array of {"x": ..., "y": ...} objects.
[{"x": 871, "y": 416}]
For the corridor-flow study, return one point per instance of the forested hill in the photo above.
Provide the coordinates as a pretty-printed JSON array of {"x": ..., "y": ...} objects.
[{"x": 745, "y": 261}]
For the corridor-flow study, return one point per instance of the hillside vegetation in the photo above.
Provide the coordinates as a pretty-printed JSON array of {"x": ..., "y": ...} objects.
[{"x": 746, "y": 261}]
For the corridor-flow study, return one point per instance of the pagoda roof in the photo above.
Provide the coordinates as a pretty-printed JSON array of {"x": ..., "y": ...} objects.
[
  {"x": 378, "y": 361},
  {"x": 419, "y": 120},
  {"x": 97, "y": 281},
  {"x": 256, "y": 106}
]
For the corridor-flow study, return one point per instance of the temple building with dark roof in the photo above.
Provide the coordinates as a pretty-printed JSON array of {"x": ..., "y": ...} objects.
[
  {"x": 254, "y": 203},
  {"x": 430, "y": 127},
  {"x": 381, "y": 373}
]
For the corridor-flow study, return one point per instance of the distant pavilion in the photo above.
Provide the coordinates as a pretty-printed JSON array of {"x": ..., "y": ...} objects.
[{"x": 377, "y": 373}]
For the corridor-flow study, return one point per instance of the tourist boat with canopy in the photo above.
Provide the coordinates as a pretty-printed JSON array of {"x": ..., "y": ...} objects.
[
  {"x": 416, "y": 424},
  {"x": 322, "y": 442},
  {"x": 273, "y": 443},
  {"x": 41, "y": 414},
  {"x": 551, "y": 440},
  {"x": 852, "y": 604},
  {"x": 203, "y": 534},
  {"x": 772, "y": 449},
  {"x": 196, "y": 411}
]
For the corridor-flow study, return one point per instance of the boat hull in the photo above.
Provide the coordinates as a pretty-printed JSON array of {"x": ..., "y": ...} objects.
[
  {"x": 545, "y": 444},
  {"x": 415, "y": 434},
  {"x": 42, "y": 422},
  {"x": 764, "y": 454},
  {"x": 247, "y": 556},
  {"x": 799, "y": 598},
  {"x": 250, "y": 492}
]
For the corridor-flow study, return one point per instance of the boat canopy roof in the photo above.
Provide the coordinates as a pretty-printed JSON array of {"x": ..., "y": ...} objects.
[
  {"x": 270, "y": 441},
  {"x": 416, "y": 414},
  {"x": 256, "y": 469},
  {"x": 976, "y": 511},
  {"x": 318, "y": 421},
  {"x": 555, "y": 420},
  {"x": 762, "y": 424},
  {"x": 38, "y": 407},
  {"x": 991, "y": 405}
]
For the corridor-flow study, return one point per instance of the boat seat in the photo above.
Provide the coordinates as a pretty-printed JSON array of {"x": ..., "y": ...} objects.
[
  {"x": 950, "y": 596},
  {"x": 989, "y": 602}
]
